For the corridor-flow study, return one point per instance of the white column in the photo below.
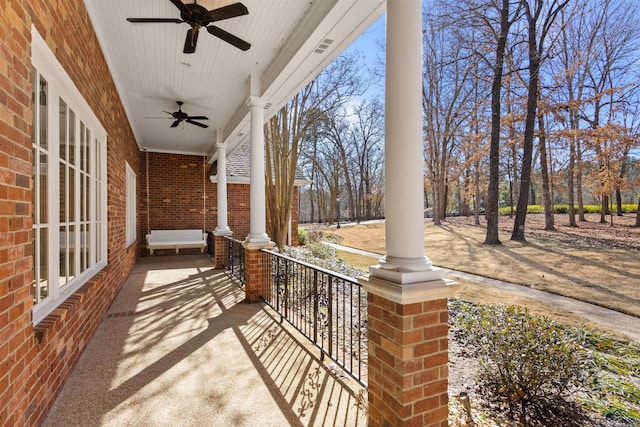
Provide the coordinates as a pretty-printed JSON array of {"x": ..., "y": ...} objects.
[
  {"x": 404, "y": 261},
  {"x": 223, "y": 228},
  {"x": 258, "y": 226}
]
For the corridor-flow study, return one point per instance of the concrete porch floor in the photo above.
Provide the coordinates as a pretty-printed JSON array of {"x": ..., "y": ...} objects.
[{"x": 178, "y": 347}]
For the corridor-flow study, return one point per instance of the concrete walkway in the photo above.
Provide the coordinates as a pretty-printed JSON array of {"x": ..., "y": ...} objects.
[
  {"x": 178, "y": 347},
  {"x": 624, "y": 324}
]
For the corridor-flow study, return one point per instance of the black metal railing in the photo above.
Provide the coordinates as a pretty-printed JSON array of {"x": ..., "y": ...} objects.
[
  {"x": 330, "y": 309},
  {"x": 234, "y": 258}
]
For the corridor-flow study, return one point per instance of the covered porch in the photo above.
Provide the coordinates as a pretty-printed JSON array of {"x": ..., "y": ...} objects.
[{"x": 179, "y": 347}]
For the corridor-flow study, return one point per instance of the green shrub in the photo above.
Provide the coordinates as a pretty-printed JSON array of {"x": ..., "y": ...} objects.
[
  {"x": 302, "y": 236},
  {"x": 531, "y": 209},
  {"x": 321, "y": 251},
  {"x": 563, "y": 209},
  {"x": 331, "y": 263},
  {"x": 528, "y": 364}
]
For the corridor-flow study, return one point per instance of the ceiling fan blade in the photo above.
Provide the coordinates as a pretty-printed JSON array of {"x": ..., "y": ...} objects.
[
  {"x": 202, "y": 125},
  {"x": 226, "y": 12},
  {"x": 190, "y": 41},
  {"x": 181, "y": 6},
  {"x": 198, "y": 118},
  {"x": 176, "y": 21},
  {"x": 228, "y": 37},
  {"x": 175, "y": 124}
]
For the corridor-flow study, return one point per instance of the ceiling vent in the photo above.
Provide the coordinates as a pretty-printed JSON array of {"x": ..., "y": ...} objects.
[{"x": 323, "y": 46}]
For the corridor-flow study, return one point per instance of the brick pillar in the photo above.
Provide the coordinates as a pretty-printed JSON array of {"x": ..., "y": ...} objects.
[
  {"x": 408, "y": 355},
  {"x": 219, "y": 244},
  {"x": 408, "y": 351},
  {"x": 257, "y": 271}
]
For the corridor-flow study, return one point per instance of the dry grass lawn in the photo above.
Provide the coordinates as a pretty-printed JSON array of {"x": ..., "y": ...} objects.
[{"x": 595, "y": 263}]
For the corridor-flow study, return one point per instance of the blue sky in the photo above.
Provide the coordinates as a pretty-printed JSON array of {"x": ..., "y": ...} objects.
[{"x": 370, "y": 47}]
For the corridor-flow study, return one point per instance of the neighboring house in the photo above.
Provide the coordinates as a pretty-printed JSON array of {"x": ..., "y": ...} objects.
[{"x": 238, "y": 179}]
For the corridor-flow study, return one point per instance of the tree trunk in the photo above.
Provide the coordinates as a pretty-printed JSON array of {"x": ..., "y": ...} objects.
[
  {"x": 581, "y": 216},
  {"x": 311, "y": 203},
  {"x": 530, "y": 123},
  {"x": 618, "y": 202},
  {"x": 491, "y": 206},
  {"x": 532, "y": 190},
  {"x": 546, "y": 187},
  {"x": 435, "y": 209},
  {"x": 570, "y": 180},
  {"x": 604, "y": 209},
  {"x": 638, "y": 214},
  {"x": 476, "y": 197},
  {"x": 463, "y": 198}
]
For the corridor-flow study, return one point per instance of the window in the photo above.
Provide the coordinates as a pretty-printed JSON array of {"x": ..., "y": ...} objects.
[
  {"x": 69, "y": 189},
  {"x": 131, "y": 206}
]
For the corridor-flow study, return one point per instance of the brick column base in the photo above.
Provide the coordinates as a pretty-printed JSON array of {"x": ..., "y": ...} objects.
[
  {"x": 408, "y": 355},
  {"x": 408, "y": 350},
  {"x": 257, "y": 271},
  {"x": 219, "y": 246}
]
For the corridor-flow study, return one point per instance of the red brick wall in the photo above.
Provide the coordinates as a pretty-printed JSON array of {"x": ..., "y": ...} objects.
[
  {"x": 176, "y": 188},
  {"x": 35, "y": 363},
  {"x": 238, "y": 215},
  {"x": 177, "y": 185}
]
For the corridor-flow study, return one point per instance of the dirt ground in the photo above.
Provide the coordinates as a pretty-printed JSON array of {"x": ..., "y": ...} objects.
[{"x": 594, "y": 262}]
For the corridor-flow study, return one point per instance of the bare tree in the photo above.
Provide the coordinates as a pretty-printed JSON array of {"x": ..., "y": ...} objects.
[
  {"x": 579, "y": 33},
  {"x": 540, "y": 17},
  {"x": 613, "y": 56},
  {"x": 367, "y": 138},
  {"x": 549, "y": 219},
  {"x": 446, "y": 90},
  {"x": 285, "y": 132},
  {"x": 491, "y": 207}
]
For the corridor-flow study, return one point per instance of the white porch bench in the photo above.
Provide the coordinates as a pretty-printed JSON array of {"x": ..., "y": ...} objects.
[{"x": 176, "y": 239}]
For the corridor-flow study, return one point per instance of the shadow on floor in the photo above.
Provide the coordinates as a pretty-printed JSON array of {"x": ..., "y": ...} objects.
[{"x": 178, "y": 347}]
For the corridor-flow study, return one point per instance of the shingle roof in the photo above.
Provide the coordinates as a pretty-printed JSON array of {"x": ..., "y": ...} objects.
[{"x": 238, "y": 166}]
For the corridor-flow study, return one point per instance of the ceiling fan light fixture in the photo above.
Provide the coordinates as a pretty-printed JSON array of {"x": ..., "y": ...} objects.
[{"x": 198, "y": 16}]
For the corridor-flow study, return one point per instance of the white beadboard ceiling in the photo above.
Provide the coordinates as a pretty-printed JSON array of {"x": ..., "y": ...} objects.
[{"x": 151, "y": 73}]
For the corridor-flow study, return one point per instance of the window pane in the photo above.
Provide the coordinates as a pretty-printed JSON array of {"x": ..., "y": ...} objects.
[
  {"x": 43, "y": 112},
  {"x": 63, "y": 129},
  {"x": 34, "y": 85},
  {"x": 63, "y": 192},
  {"x": 87, "y": 197},
  {"x": 72, "y": 195},
  {"x": 82, "y": 148},
  {"x": 83, "y": 234},
  {"x": 43, "y": 260},
  {"x": 81, "y": 197},
  {"x": 36, "y": 186},
  {"x": 43, "y": 187},
  {"x": 98, "y": 172},
  {"x": 72, "y": 252},
  {"x": 87, "y": 141},
  {"x": 72, "y": 137},
  {"x": 64, "y": 253}
]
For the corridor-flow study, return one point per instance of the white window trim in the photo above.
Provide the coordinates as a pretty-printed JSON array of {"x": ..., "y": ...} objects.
[
  {"x": 131, "y": 205},
  {"x": 60, "y": 85}
]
